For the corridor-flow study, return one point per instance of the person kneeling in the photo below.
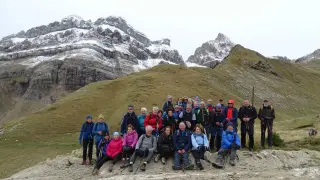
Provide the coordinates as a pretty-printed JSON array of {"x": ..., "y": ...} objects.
[
  {"x": 182, "y": 144},
  {"x": 114, "y": 150},
  {"x": 145, "y": 148},
  {"x": 165, "y": 144},
  {"x": 230, "y": 144},
  {"x": 200, "y": 144}
]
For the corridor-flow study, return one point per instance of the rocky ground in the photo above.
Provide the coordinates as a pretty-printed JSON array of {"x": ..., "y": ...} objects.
[{"x": 268, "y": 164}]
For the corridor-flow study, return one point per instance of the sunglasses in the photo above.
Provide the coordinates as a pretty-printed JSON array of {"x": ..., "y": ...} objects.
[{"x": 130, "y": 109}]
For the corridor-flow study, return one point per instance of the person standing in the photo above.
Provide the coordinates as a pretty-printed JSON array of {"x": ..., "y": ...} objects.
[
  {"x": 141, "y": 119},
  {"x": 129, "y": 118},
  {"x": 218, "y": 120},
  {"x": 266, "y": 116},
  {"x": 204, "y": 118},
  {"x": 231, "y": 114},
  {"x": 99, "y": 129},
  {"x": 247, "y": 115},
  {"x": 86, "y": 139},
  {"x": 188, "y": 117},
  {"x": 209, "y": 105},
  {"x": 154, "y": 121},
  {"x": 168, "y": 104}
]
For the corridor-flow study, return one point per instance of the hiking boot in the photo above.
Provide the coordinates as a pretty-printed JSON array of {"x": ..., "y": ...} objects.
[
  {"x": 232, "y": 162},
  {"x": 89, "y": 162},
  {"x": 95, "y": 171},
  {"x": 269, "y": 147},
  {"x": 189, "y": 167},
  {"x": 262, "y": 148},
  {"x": 176, "y": 168},
  {"x": 143, "y": 167},
  {"x": 250, "y": 149},
  {"x": 157, "y": 158},
  {"x": 130, "y": 167},
  {"x": 163, "y": 160},
  {"x": 199, "y": 165},
  {"x": 83, "y": 163},
  {"x": 110, "y": 167},
  {"x": 218, "y": 164}
]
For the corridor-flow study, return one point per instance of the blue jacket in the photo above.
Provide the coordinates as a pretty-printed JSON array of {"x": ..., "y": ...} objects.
[
  {"x": 141, "y": 122},
  {"x": 175, "y": 114},
  {"x": 218, "y": 117},
  {"x": 182, "y": 140},
  {"x": 234, "y": 118},
  {"x": 103, "y": 142},
  {"x": 99, "y": 127},
  {"x": 199, "y": 140},
  {"x": 184, "y": 105},
  {"x": 129, "y": 119},
  {"x": 228, "y": 138},
  {"x": 86, "y": 131},
  {"x": 195, "y": 110}
]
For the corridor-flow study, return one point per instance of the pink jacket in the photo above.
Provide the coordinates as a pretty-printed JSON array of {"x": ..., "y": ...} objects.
[
  {"x": 114, "y": 147},
  {"x": 130, "y": 139}
]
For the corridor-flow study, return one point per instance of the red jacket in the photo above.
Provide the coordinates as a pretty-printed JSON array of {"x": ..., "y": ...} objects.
[
  {"x": 114, "y": 147},
  {"x": 152, "y": 121}
]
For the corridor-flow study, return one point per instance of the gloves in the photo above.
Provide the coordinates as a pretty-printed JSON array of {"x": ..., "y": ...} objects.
[
  {"x": 235, "y": 146},
  {"x": 79, "y": 140},
  {"x": 146, "y": 151}
]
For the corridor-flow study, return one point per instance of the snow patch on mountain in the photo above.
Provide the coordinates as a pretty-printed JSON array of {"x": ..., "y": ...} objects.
[
  {"x": 147, "y": 64},
  {"x": 157, "y": 48},
  {"x": 212, "y": 52},
  {"x": 309, "y": 57},
  {"x": 189, "y": 64}
]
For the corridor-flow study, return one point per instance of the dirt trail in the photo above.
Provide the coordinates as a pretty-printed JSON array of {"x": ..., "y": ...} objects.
[{"x": 268, "y": 164}]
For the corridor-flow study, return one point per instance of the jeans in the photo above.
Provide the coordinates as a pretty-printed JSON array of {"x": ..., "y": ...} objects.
[
  {"x": 85, "y": 144},
  {"x": 185, "y": 157}
]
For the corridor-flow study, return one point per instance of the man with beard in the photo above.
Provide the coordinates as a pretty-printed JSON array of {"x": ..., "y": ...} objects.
[{"x": 266, "y": 116}]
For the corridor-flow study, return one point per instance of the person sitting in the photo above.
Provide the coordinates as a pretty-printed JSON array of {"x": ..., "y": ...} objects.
[
  {"x": 170, "y": 120},
  {"x": 230, "y": 144},
  {"x": 165, "y": 144},
  {"x": 98, "y": 130},
  {"x": 141, "y": 119},
  {"x": 130, "y": 140},
  {"x": 154, "y": 121},
  {"x": 200, "y": 144},
  {"x": 86, "y": 139},
  {"x": 145, "y": 148},
  {"x": 182, "y": 144},
  {"x": 113, "y": 153},
  {"x": 103, "y": 145},
  {"x": 129, "y": 118}
]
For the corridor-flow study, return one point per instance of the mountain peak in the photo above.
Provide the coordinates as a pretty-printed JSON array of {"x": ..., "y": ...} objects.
[
  {"x": 73, "y": 17},
  {"x": 315, "y": 55},
  {"x": 212, "y": 52}
]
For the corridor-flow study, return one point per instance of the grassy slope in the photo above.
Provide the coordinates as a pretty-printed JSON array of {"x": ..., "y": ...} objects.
[{"x": 54, "y": 130}]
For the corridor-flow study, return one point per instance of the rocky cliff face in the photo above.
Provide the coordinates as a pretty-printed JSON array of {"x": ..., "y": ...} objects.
[
  {"x": 310, "y": 57},
  {"x": 212, "y": 52},
  {"x": 47, "y": 61}
]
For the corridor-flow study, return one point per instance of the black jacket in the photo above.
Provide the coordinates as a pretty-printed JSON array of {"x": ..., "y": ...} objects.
[
  {"x": 249, "y": 112},
  {"x": 266, "y": 113}
]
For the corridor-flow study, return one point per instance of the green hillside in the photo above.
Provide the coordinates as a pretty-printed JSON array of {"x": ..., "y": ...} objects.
[{"x": 292, "y": 89}]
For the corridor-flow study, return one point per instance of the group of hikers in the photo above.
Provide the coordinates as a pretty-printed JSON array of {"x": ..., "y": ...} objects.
[{"x": 189, "y": 125}]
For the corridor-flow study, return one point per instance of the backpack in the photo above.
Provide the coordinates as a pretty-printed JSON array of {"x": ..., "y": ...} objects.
[
  {"x": 104, "y": 124},
  {"x": 144, "y": 136},
  {"x": 85, "y": 126}
]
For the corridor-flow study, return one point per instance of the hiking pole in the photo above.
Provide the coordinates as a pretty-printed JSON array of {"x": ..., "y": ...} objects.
[{"x": 135, "y": 172}]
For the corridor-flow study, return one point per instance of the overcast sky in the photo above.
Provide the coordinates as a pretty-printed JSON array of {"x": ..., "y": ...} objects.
[{"x": 272, "y": 27}]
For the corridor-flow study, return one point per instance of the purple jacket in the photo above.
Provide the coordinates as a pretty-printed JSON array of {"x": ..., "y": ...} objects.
[{"x": 130, "y": 139}]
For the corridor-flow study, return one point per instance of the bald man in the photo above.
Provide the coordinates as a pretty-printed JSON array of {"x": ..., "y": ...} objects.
[{"x": 247, "y": 115}]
